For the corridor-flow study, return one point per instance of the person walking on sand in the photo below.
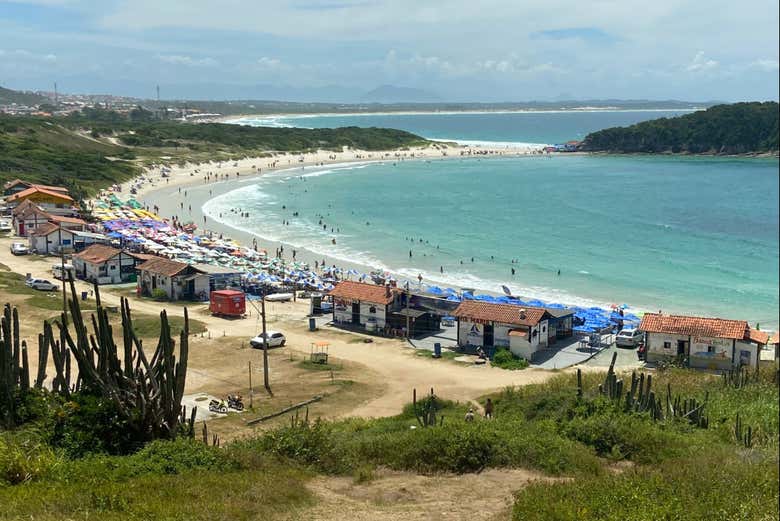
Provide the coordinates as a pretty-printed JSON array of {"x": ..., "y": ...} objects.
[{"x": 489, "y": 409}]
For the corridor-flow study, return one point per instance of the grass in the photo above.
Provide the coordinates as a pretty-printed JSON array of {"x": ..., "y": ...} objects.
[
  {"x": 445, "y": 354},
  {"x": 710, "y": 485},
  {"x": 505, "y": 359},
  {"x": 313, "y": 366},
  {"x": 13, "y": 283},
  {"x": 166, "y": 480},
  {"x": 148, "y": 326}
]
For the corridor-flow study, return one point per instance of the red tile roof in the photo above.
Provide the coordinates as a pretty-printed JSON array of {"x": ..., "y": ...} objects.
[
  {"x": 62, "y": 219},
  {"x": 364, "y": 292},
  {"x": 44, "y": 229},
  {"x": 503, "y": 313},
  {"x": 36, "y": 189},
  {"x": 757, "y": 336},
  {"x": 97, "y": 253},
  {"x": 163, "y": 266},
  {"x": 694, "y": 326}
]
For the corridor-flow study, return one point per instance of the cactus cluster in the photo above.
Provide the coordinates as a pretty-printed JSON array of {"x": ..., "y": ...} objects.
[
  {"x": 736, "y": 378},
  {"x": 743, "y": 436},
  {"x": 425, "y": 411},
  {"x": 147, "y": 392},
  {"x": 642, "y": 398}
]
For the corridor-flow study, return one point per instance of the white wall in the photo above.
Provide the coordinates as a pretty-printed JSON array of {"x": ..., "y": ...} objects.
[
  {"x": 470, "y": 333},
  {"x": 365, "y": 314}
]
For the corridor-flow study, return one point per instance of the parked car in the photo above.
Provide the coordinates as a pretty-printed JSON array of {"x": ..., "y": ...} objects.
[
  {"x": 5, "y": 227},
  {"x": 41, "y": 284},
  {"x": 629, "y": 338},
  {"x": 56, "y": 270},
  {"x": 275, "y": 339},
  {"x": 19, "y": 248}
]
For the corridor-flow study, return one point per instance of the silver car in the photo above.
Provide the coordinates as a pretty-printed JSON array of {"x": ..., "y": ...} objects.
[{"x": 629, "y": 338}]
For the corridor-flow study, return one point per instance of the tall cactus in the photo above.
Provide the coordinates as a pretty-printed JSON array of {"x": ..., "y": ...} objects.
[{"x": 14, "y": 367}]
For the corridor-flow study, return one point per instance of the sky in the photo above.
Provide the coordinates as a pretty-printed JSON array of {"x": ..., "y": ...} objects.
[{"x": 337, "y": 50}]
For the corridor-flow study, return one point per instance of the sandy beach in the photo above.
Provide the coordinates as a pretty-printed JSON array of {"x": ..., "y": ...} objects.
[{"x": 187, "y": 188}]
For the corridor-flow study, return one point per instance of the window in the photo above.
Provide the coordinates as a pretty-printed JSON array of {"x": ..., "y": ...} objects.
[
  {"x": 667, "y": 345},
  {"x": 372, "y": 309},
  {"x": 710, "y": 349}
]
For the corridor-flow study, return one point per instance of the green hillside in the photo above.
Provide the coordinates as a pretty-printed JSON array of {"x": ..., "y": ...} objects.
[
  {"x": 740, "y": 128},
  {"x": 8, "y": 97},
  {"x": 91, "y": 150}
]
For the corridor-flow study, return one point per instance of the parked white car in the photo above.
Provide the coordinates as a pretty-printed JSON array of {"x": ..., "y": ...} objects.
[
  {"x": 19, "y": 248},
  {"x": 275, "y": 339},
  {"x": 629, "y": 338},
  {"x": 5, "y": 227},
  {"x": 41, "y": 284}
]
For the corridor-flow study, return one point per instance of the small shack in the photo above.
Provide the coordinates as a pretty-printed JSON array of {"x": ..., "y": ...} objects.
[
  {"x": 521, "y": 329},
  {"x": 179, "y": 281},
  {"x": 715, "y": 344},
  {"x": 362, "y": 305},
  {"x": 104, "y": 264}
]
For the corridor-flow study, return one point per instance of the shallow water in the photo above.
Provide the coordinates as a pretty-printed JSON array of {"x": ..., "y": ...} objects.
[{"x": 694, "y": 235}]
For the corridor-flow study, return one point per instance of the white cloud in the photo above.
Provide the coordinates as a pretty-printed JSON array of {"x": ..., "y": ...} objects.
[
  {"x": 269, "y": 63},
  {"x": 701, "y": 63},
  {"x": 768, "y": 65},
  {"x": 187, "y": 61}
]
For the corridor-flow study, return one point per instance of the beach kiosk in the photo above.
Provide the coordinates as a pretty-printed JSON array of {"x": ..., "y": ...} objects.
[{"x": 227, "y": 302}]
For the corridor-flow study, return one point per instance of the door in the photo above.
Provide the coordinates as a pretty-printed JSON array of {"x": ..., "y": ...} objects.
[
  {"x": 681, "y": 347},
  {"x": 356, "y": 313},
  {"x": 487, "y": 337},
  {"x": 21, "y": 228}
]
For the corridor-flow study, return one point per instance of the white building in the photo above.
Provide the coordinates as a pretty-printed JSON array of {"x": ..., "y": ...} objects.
[
  {"x": 522, "y": 330},
  {"x": 105, "y": 265},
  {"x": 50, "y": 238},
  {"x": 708, "y": 343},
  {"x": 359, "y": 304},
  {"x": 179, "y": 281}
]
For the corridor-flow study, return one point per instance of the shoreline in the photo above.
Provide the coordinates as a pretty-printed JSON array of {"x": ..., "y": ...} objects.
[{"x": 189, "y": 179}]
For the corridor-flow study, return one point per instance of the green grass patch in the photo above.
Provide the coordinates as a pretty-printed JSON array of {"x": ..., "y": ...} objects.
[
  {"x": 446, "y": 354},
  {"x": 692, "y": 488},
  {"x": 148, "y": 326},
  {"x": 313, "y": 366}
]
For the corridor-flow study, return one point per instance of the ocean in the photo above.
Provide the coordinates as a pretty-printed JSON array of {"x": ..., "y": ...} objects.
[{"x": 692, "y": 235}]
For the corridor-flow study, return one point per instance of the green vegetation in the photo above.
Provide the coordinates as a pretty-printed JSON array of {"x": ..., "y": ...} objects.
[
  {"x": 42, "y": 151},
  {"x": 93, "y": 149},
  {"x": 79, "y": 453},
  {"x": 740, "y": 128},
  {"x": 10, "y": 97},
  {"x": 504, "y": 359}
]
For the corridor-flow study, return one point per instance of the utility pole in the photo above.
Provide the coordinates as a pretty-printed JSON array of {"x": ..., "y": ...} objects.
[
  {"x": 265, "y": 350},
  {"x": 251, "y": 389}
]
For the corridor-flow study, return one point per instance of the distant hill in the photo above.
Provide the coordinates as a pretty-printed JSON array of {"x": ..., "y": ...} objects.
[
  {"x": 8, "y": 96},
  {"x": 739, "y": 128},
  {"x": 393, "y": 94}
]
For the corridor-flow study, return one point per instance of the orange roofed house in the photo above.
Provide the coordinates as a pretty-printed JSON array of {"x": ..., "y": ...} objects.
[
  {"x": 363, "y": 305},
  {"x": 179, "y": 281},
  {"x": 105, "y": 264},
  {"x": 55, "y": 202},
  {"x": 522, "y": 329},
  {"x": 708, "y": 343}
]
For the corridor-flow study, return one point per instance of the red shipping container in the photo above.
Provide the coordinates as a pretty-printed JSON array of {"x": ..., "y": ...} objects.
[{"x": 227, "y": 302}]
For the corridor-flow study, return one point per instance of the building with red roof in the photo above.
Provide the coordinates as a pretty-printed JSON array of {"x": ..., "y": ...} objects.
[{"x": 716, "y": 344}]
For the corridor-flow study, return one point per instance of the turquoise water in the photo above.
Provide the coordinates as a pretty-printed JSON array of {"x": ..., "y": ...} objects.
[
  {"x": 513, "y": 127},
  {"x": 690, "y": 235}
]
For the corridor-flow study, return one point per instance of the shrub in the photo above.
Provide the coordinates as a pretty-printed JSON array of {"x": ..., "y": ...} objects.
[
  {"x": 505, "y": 359},
  {"x": 159, "y": 294},
  {"x": 24, "y": 458}
]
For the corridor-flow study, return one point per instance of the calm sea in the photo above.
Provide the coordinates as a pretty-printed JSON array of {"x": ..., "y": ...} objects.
[{"x": 691, "y": 235}]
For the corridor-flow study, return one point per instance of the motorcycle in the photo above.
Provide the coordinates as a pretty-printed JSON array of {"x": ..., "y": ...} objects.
[
  {"x": 218, "y": 406},
  {"x": 235, "y": 402}
]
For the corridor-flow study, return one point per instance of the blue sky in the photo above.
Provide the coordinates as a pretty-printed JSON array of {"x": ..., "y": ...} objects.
[{"x": 461, "y": 50}]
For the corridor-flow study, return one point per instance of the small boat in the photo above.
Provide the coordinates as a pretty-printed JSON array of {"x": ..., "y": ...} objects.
[{"x": 279, "y": 297}]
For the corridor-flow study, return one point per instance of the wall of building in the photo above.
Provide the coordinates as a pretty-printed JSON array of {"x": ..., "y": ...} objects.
[
  {"x": 520, "y": 346},
  {"x": 470, "y": 333},
  {"x": 379, "y": 313},
  {"x": 704, "y": 352}
]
